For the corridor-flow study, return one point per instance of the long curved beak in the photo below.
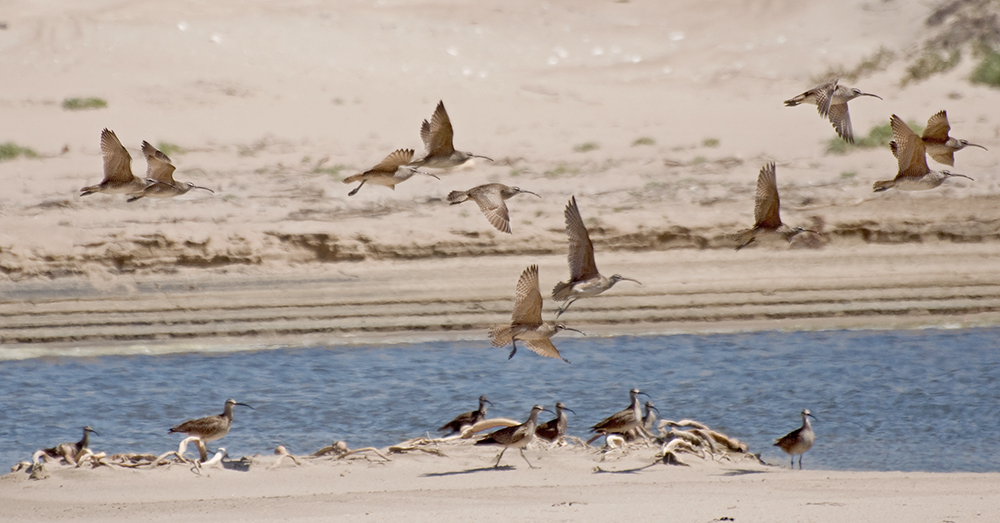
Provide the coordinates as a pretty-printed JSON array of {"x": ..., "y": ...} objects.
[
  {"x": 205, "y": 188},
  {"x": 574, "y": 330},
  {"x": 643, "y": 394},
  {"x": 529, "y": 192},
  {"x": 483, "y": 157},
  {"x": 962, "y": 175},
  {"x": 422, "y": 172},
  {"x": 92, "y": 431},
  {"x": 569, "y": 409},
  {"x": 977, "y": 145},
  {"x": 245, "y": 405},
  {"x": 870, "y": 94},
  {"x": 488, "y": 401},
  {"x": 813, "y": 417},
  {"x": 654, "y": 408},
  {"x": 630, "y": 279},
  {"x": 547, "y": 410}
]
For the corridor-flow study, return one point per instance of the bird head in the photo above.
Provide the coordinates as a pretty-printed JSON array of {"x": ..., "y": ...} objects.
[
  {"x": 230, "y": 402},
  {"x": 650, "y": 406},
  {"x": 857, "y": 92},
  {"x": 562, "y": 327},
  {"x": 90, "y": 430},
  {"x": 190, "y": 186},
  {"x": 615, "y": 278},
  {"x": 482, "y": 399},
  {"x": 468, "y": 156},
  {"x": 966, "y": 143},
  {"x": 518, "y": 190},
  {"x": 562, "y": 406},
  {"x": 805, "y": 412},
  {"x": 949, "y": 173}
]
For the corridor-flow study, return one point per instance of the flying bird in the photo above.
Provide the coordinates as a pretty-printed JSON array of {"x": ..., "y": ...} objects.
[
  {"x": 767, "y": 222},
  {"x": 831, "y": 102},
  {"x": 439, "y": 152},
  {"x": 490, "y": 198},
  {"x": 913, "y": 173},
  {"x": 160, "y": 176},
  {"x": 389, "y": 172}
]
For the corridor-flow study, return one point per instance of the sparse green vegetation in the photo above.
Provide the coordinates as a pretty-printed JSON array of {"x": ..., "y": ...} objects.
[
  {"x": 988, "y": 70},
  {"x": 168, "y": 148},
  {"x": 698, "y": 160},
  {"x": 931, "y": 63},
  {"x": 643, "y": 140},
  {"x": 333, "y": 170},
  {"x": 878, "y": 136},
  {"x": 560, "y": 170},
  {"x": 516, "y": 171},
  {"x": 878, "y": 61},
  {"x": 78, "y": 104},
  {"x": 586, "y": 147},
  {"x": 10, "y": 150},
  {"x": 710, "y": 142},
  {"x": 847, "y": 175}
]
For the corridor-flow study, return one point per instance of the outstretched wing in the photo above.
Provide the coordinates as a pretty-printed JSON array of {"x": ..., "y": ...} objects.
[
  {"x": 393, "y": 161},
  {"x": 766, "y": 203},
  {"x": 117, "y": 160},
  {"x": 438, "y": 137},
  {"x": 158, "y": 166},
  {"x": 495, "y": 210},
  {"x": 909, "y": 150},
  {"x": 528, "y": 302},
  {"x": 581, "y": 250},
  {"x": 937, "y": 128}
]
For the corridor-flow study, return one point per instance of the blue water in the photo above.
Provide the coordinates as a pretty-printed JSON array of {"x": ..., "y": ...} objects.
[{"x": 885, "y": 400}]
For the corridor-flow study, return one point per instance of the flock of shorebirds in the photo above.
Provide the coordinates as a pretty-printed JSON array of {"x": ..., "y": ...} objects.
[
  {"x": 585, "y": 280},
  {"x": 627, "y": 425}
]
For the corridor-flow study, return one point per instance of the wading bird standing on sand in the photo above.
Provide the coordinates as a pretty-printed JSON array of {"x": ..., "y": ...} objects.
[
  {"x": 71, "y": 452},
  {"x": 209, "y": 428},
  {"x": 518, "y": 436},
  {"x": 623, "y": 420},
  {"x": 799, "y": 440},
  {"x": 467, "y": 419},
  {"x": 554, "y": 429},
  {"x": 831, "y": 101}
]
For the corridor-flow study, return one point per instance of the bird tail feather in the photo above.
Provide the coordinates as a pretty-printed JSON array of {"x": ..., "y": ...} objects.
[
  {"x": 562, "y": 291},
  {"x": 500, "y": 334}
]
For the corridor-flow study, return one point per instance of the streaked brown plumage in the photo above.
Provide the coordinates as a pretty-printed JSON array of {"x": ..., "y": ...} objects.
[
  {"x": 767, "y": 219},
  {"x": 118, "y": 177},
  {"x": 71, "y": 451},
  {"x": 209, "y": 428},
  {"x": 913, "y": 173},
  {"x": 623, "y": 420},
  {"x": 467, "y": 419},
  {"x": 831, "y": 102},
  {"x": 937, "y": 143},
  {"x": 799, "y": 440},
  {"x": 526, "y": 322},
  {"x": 584, "y": 278},
  {"x": 389, "y": 172},
  {"x": 518, "y": 436},
  {"x": 555, "y": 428},
  {"x": 490, "y": 198},
  {"x": 439, "y": 152},
  {"x": 160, "y": 176}
]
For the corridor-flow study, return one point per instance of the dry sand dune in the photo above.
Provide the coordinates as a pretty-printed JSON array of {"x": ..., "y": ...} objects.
[{"x": 656, "y": 115}]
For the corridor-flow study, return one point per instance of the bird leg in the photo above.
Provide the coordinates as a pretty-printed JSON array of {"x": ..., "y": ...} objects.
[
  {"x": 497, "y": 464},
  {"x": 526, "y": 459},
  {"x": 565, "y": 306},
  {"x": 356, "y": 189},
  {"x": 513, "y": 343}
]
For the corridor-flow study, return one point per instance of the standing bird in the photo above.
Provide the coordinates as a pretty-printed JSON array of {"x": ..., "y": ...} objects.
[
  {"x": 467, "y": 419},
  {"x": 831, "y": 102},
  {"x": 71, "y": 451},
  {"x": 767, "y": 222},
  {"x": 526, "y": 322},
  {"x": 584, "y": 279},
  {"x": 160, "y": 176},
  {"x": 555, "y": 429},
  {"x": 118, "y": 177},
  {"x": 209, "y": 428},
  {"x": 909, "y": 150},
  {"x": 439, "y": 152},
  {"x": 623, "y": 420},
  {"x": 490, "y": 198},
  {"x": 799, "y": 440},
  {"x": 518, "y": 436},
  {"x": 392, "y": 170},
  {"x": 937, "y": 143}
]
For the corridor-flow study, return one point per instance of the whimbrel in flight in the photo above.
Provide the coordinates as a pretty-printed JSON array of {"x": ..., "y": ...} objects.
[
  {"x": 490, "y": 198},
  {"x": 439, "y": 152},
  {"x": 831, "y": 101},
  {"x": 518, "y": 436},
  {"x": 160, "y": 176},
  {"x": 937, "y": 143},
  {"x": 71, "y": 452},
  {"x": 467, "y": 419},
  {"x": 799, "y": 440},
  {"x": 584, "y": 279},
  {"x": 389, "y": 172},
  {"x": 623, "y": 420},
  {"x": 767, "y": 222},
  {"x": 209, "y": 428},
  {"x": 555, "y": 429},
  {"x": 118, "y": 177},
  {"x": 526, "y": 322},
  {"x": 909, "y": 150}
]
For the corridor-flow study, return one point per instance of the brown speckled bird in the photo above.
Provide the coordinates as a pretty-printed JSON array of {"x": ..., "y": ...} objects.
[
  {"x": 831, "y": 102},
  {"x": 439, "y": 152},
  {"x": 118, "y": 177},
  {"x": 937, "y": 143},
  {"x": 389, "y": 172},
  {"x": 767, "y": 222},
  {"x": 913, "y": 173},
  {"x": 490, "y": 198},
  {"x": 526, "y": 322},
  {"x": 160, "y": 176}
]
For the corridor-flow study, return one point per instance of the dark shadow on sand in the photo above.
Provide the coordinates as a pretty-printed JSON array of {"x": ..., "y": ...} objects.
[{"x": 470, "y": 471}]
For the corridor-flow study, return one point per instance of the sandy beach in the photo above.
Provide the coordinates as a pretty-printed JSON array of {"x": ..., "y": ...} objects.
[{"x": 656, "y": 116}]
